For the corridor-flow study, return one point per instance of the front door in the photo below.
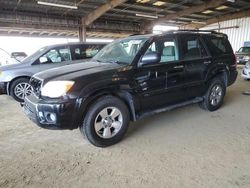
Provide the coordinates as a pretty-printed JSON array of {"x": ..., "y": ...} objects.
[{"x": 161, "y": 84}]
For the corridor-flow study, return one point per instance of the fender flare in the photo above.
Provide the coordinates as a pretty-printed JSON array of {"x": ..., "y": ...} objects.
[{"x": 83, "y": 102}]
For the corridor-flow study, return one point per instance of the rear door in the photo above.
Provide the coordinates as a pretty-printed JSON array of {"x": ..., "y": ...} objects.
[{"x": 197, "y": 61}]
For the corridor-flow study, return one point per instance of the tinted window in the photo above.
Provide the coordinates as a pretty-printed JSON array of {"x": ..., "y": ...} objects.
[
  {"x": 192, "y": 47},
  {"x": 218, "y": 45},
  {"x": 85, "y": 51}
]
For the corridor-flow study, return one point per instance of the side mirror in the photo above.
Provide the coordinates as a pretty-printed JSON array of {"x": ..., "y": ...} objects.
[
  {"x": 150, "y": 58},
  {"x": 43, "y": 59}
]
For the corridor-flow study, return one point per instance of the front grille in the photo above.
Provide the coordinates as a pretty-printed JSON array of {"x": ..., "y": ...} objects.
[{"x": 36, "y": 85}]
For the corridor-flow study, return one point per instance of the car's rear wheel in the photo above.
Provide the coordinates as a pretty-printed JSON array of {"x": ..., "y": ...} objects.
[
  {"x": 214, "y": 96},
  {"x": 20, "y": 88},
  {"x": 106, "y": 121}
]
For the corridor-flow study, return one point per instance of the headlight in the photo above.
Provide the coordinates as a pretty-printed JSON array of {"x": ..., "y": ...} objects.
[
  {"x": 55, "y": 89},
  {"x": 246, "y": 58}
]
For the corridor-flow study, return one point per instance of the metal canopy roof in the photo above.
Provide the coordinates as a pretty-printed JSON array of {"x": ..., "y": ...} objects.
[{"x": 112, "y": 18}]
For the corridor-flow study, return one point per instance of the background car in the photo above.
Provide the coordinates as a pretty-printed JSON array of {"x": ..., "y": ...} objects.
[
  {"x": 5, "y": 58},
  {"x": 245, "y": 74},
  {"x": 18, "y": 55},
  {"x": 14, "y": 79},
  {"x": 243, "y": 55}
]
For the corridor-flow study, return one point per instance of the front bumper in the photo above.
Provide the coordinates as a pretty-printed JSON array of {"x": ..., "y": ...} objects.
[
  {"x": 51, "y": 114},
  {"x": 3, "y": 88},
  {"x": 245, "y": 73}
]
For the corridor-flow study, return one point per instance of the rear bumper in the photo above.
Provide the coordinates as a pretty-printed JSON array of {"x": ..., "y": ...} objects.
[
  {"x": 232, "y": 77},
  {"x": 3, "y": 88},
  {"x": 55, "y": 115}
]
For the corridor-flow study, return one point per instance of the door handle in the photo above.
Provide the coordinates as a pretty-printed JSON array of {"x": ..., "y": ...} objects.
[
  {"x": 179, "y": 67},
  {"x": 207, "y": 62}
]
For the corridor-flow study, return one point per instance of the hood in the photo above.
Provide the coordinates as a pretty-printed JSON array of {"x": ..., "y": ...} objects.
[
  {"x": 73, "y": 71},
  {"x": 13, "y": 66}
]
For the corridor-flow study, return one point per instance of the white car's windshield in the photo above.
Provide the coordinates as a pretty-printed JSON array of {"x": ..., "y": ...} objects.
[{"x": 121, "y": 51}]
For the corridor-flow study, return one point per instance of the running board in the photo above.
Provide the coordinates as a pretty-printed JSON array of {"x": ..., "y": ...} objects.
[{"x": 169, "y": 108}]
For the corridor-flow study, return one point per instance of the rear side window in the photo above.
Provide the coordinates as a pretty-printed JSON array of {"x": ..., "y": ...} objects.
[
  {"x": 85, "y": 51},
  {"x": 218, "y": 45},
  {"x": 192, "y": 47}
]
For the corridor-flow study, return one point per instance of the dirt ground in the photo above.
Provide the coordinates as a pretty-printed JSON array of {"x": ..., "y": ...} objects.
[{"x": 187, "y": 147}]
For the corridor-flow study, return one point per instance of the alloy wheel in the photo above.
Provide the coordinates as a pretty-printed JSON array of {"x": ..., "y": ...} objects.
[
  {"x": 215, "y": 95},
  {"x": 22, "y": 89},
  {"x": 108, "y": 122}
]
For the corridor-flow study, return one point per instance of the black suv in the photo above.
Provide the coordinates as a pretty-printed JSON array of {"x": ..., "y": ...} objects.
[{"x": 132, "y": 78}]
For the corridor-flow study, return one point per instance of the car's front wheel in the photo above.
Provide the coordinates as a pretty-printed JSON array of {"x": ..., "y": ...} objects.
[
  {"x": 20, "y": 88},
  {"x": 214, "y": 96},
  {"x": 106, "y": 121}
]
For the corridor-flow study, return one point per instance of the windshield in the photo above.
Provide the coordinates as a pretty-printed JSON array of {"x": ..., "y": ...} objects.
[
  {"x": 245, "y": 49},
  {"x": 35, "y": 55},
  {"x": 121, "y": 51}
]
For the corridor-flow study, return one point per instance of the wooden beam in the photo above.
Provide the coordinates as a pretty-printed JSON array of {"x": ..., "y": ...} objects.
[
  {"x": 231, "y": 16},
  {"x": 92, "y": 16},
  {"x": 193, "y": 9}
]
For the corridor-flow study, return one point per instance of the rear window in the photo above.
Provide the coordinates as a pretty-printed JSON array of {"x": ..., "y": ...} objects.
[{"x": 218, "y": 45}]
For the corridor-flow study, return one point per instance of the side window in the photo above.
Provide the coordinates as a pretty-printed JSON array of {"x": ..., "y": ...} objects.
[
  {"x": 65, "y": 54},
  {"x": 192, "y": 48},
  {"x": 219, "y": 45},
  {"x": 91, "y": 51},
  {"x": 169, "y": 51},
  {"x": 85, "y": 51},
  {"x": 77, "y": 52},
  {"x": 56, "y": 55},
  {"x": 166, "y": 48}
]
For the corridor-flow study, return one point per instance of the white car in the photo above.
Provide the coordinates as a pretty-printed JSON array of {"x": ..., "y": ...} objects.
[
  {"x": 246, "y": 71},
  {"x": 6, "y": 59}
]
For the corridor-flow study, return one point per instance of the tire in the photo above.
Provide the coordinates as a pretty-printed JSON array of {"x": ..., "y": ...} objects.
[
  {"x": 213, "y": 99},
  {"x": 101, "y": 128},
  {"x": 16, "y": 86}
]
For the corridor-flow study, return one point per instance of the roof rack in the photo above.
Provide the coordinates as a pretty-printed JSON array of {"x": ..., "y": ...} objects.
[
  {"x": 198, "y": 31},
  {"x": 193, "y": 31}
]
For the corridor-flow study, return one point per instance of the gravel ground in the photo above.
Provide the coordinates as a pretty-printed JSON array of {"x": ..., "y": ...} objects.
[{"x": 187, "y": 147}]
